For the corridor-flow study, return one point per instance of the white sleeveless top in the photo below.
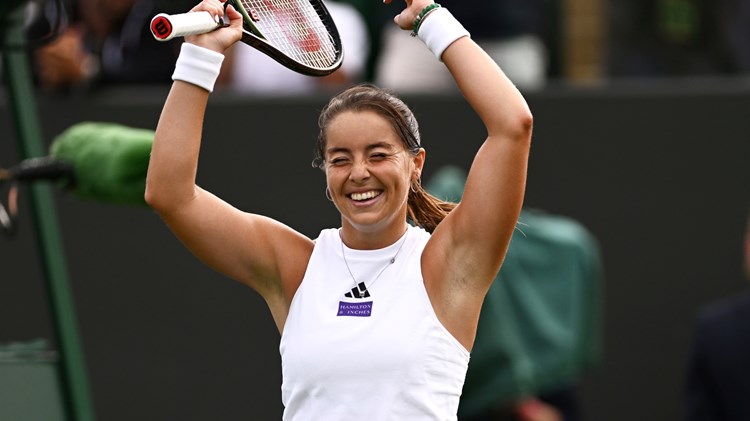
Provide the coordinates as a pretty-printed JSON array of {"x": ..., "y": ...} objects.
[{"x": 382, "y": 356}]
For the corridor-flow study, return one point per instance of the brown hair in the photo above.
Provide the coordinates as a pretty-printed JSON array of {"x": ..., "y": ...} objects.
[{"x": 423, "y": 209}]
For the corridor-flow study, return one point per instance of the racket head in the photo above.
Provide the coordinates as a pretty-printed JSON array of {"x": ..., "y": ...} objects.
[{"x": 299, "y": 34}]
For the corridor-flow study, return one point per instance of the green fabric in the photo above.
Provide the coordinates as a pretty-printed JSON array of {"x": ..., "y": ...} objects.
[
  {"x": 540, "y": 324},
  {"x": 110, "y": 161}
]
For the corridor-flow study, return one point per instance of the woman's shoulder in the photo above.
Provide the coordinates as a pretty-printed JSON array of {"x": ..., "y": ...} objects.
[
  {"x": 418, "y": 231},
  {"x": 326, "y": 235},
  {"x": 419, "y": 235}
]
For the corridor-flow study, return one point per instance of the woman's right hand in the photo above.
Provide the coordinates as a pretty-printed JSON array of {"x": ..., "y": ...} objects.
[{"x": 222, "y": 38}]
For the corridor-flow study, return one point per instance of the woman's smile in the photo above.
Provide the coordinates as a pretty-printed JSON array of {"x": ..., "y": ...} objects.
[{"x": 365, "y": 197}]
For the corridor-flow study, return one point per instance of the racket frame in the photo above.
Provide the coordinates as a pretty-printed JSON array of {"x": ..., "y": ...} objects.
[{"x": 252, "y": 36}]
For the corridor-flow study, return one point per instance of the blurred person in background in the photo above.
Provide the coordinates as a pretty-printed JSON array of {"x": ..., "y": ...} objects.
[
  {"x": 248, "y": 71},
  {"x": 510, "y": 31},
  {"x": 736, "y": 29},
  {"x": 107, "y": 42},
  {"x": 718, "y": 371}
]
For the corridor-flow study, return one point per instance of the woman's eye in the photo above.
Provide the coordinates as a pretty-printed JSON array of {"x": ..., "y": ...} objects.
[
  {"x": 338, "y": 161},
  {"x": 378, "y": 156}
]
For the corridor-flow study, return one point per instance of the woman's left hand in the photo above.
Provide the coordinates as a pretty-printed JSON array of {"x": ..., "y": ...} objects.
[{"x": 405, "y": 19}]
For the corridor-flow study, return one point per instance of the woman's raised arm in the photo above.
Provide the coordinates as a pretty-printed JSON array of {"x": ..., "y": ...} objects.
[
  {"x": 243, "y": 246},
  {"x": 468, "y": 246}
]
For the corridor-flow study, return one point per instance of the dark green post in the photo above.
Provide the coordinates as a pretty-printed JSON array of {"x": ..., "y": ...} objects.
[{"x": 22, "y": 104}]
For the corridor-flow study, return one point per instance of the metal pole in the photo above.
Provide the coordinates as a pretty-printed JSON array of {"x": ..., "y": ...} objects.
[{"x": 23, "y": 107}]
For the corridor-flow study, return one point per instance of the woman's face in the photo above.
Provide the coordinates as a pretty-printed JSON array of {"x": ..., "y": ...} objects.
[{"x": 368, "y": 171}]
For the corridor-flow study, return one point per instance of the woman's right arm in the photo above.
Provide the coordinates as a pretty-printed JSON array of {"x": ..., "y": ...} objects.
[{"x": 243, "y": 246}]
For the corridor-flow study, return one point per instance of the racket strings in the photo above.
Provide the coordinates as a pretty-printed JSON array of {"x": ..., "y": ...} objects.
[{"x": 296, "y": 29}]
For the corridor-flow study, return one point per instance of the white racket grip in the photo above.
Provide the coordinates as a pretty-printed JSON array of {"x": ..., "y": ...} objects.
[{"x": 164, "y": 27}]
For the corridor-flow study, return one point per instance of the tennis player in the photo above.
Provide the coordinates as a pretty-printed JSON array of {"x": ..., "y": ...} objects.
[{"x": 378, "y": 316}]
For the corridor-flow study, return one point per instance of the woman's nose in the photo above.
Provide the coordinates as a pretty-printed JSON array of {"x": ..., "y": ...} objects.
[{"x": 360, "y": 172}]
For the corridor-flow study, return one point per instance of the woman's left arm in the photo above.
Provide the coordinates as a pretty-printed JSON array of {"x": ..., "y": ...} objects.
[
  {"x": 468, "y": 247},
  {"x": 480, "y": 228}
]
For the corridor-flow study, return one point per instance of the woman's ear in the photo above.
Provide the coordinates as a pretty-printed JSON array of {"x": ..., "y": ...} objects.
[{"x": 418, "y": 160}]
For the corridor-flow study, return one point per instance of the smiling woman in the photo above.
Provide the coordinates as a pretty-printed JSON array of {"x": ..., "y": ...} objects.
[
  {"x": 384, "y": 134},
  {"x": 376, "y": 316}
]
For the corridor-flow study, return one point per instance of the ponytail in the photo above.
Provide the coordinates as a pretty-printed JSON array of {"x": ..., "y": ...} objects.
[{"x": 426, "y": 210}]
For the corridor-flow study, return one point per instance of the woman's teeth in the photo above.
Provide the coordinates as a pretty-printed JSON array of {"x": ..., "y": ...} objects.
[{"x": 365, "y": 195}]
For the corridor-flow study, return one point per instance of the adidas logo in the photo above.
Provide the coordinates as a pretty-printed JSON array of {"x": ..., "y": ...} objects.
[{"x": 360, "y": 291}]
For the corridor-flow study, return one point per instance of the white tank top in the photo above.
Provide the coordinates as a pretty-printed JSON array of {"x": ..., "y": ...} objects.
[{"x": 379, "y": 353}]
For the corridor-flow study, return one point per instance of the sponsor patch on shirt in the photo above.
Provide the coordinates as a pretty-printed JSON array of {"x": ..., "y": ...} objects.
[{"x": 363, "y": 309}]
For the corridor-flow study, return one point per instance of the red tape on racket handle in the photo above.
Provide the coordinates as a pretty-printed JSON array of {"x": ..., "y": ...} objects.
[{"x": 165, "y": 27}]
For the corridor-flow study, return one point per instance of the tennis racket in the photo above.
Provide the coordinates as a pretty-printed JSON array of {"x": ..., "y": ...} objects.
[{"x": 299, "y": 34}]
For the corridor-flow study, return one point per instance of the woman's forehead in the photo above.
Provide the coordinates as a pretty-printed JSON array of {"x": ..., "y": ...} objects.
[
  {"x": 361, "y": 129},
  {"x": 358, "y": 120}
]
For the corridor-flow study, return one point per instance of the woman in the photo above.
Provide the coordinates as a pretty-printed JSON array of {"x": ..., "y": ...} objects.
[{"x": 377, "y": 317}]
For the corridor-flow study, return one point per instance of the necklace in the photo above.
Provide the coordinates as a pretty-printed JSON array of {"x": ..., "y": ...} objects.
[{"x": 360, "y": 288}]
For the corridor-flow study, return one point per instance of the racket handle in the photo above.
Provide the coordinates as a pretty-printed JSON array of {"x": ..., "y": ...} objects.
[{"x": 165, "y": 27}]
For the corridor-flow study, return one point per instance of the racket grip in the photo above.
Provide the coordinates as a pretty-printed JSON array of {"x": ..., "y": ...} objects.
[{"x": 164, "y": 27}]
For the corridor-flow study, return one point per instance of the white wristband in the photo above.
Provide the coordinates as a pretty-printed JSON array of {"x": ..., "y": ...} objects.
[
  {"x": 439, "y": 30},
  {"x": 197, "y": 65}
]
